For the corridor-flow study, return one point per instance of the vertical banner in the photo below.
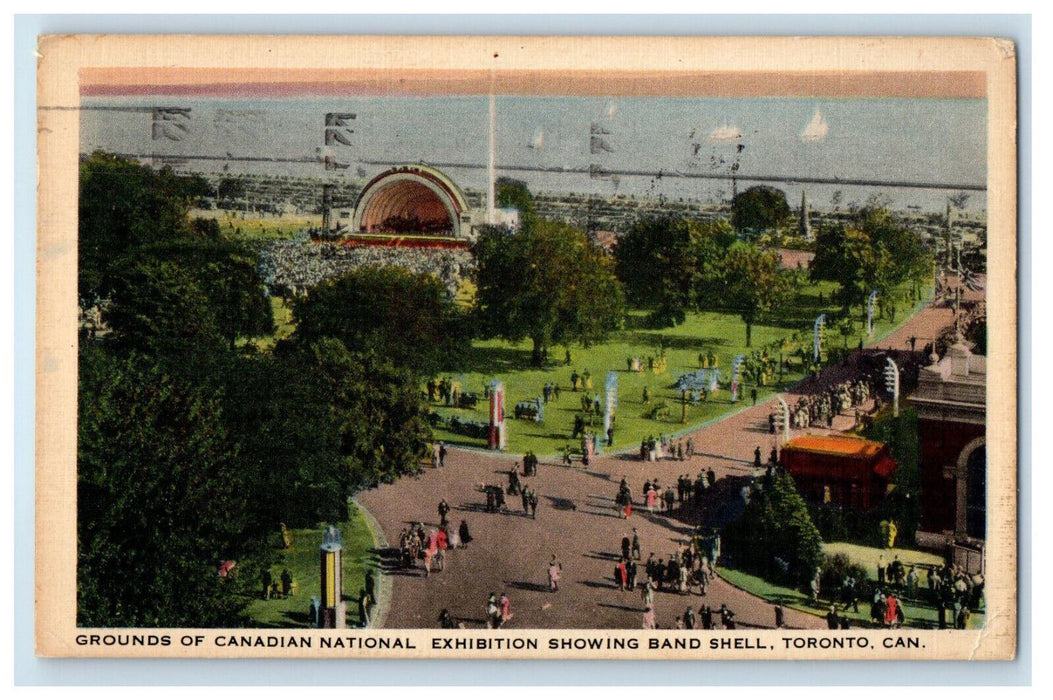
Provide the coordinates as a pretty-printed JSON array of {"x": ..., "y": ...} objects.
[
  {"x": 611, "y": 389},
  {"x": 736, "y": 368},
  {"x": 870, "y": 312},
  {"x": 496, "y": 437},
  {"x": 816, "y": 342}
]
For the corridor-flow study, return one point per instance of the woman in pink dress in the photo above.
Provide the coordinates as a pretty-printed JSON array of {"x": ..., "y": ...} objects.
[
  {"x": 648, "y": 618},
  {"x": 652, "y": 498}
]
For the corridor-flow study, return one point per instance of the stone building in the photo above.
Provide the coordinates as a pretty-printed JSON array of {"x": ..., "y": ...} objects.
[{"x": 952, "y": 425}]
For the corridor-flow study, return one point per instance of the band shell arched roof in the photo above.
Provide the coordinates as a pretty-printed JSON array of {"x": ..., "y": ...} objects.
[{"x": 410, "y": 192}]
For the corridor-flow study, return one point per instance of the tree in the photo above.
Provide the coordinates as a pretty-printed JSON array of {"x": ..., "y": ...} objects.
[
  {"x": 381, "y": 418},
  {"x": 514, "y": 194},
  {"x": 754, "y": 283},
  {"x": 186, "y": 294},
  {"x": 776, "y": 524},
  {"x": 759, "y": 208},
  {"x": 548, "y": 283},
  {"x": 404, "y": 317},
  {"x": 665, "y": 262},
  {"x": 123, "y": 205},
  {"x": 160, "y": 499},
  {"x": 229, "y": 189},
  {"x": 875, "y": 252},
  {"x": 288, "y": 440}
]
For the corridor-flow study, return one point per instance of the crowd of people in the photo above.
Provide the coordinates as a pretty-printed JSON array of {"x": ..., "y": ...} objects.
[
  {"x": 290, "y": 267},
  {"x": 429, "y": 546},
  {"x": 819, "y": 409}
]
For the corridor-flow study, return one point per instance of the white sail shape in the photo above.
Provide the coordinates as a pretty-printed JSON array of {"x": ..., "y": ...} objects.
[
  {"x": 817, "y": 129},
  {"x": 538, "y": 141},
  {"x": 726, "y": 133}
]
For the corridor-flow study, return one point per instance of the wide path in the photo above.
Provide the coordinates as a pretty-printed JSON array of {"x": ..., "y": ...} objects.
[{"x": 577, "y": 523}]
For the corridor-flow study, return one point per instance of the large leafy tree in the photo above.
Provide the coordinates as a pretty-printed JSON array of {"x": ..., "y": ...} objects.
[
  {"x": 185, "y": 294},
  {"x": 514, "y": 194},
  {"x": 405, "y": 317},
  {"x": 667, "y": 264},
  {"x": 161, "y": 500},
  {"x": 548, "y": 283},
  {"x": 776, "y": 524},
  {"x": 377, "y": 410},
  {"x": 287, "y": 436},
  {"x": 754, "y": 283},
  {"x": 123, "y": 205},
  {"x": 758, "y": 209},
  {"x": 873, "y": 252}
]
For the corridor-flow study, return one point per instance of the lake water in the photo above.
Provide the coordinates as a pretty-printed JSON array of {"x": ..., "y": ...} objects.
[{"x": 915, "y": 140}]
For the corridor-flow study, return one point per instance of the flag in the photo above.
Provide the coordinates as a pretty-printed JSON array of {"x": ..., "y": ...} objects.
[
  {"x": 337, "y": 128},
  {"x": 170, "y": 123}
]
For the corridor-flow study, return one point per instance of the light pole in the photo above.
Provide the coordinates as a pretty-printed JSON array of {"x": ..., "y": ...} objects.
[
  {"x": 784, "y": 418},
  {"x": 870, "y": 312},
  {"x": 816, "y": 341},
  {"x": 892, "y": 384}
]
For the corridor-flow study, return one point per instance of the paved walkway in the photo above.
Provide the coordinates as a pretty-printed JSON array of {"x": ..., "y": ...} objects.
[{"x": 577, "y": 523}]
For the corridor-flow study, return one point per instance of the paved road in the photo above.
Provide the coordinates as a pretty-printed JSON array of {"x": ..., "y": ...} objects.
[{"x": 577, "y": 523}]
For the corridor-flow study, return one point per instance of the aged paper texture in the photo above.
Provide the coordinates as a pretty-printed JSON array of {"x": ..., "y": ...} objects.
[{"x": 546, "y": 347}]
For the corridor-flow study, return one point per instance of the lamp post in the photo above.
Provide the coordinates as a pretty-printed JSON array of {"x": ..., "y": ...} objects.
[
  {"x": 816, "y": 341},
  {"x": 331, "y": 554},
  {"x": 892, "y": 384},
  {"x": 870, "y": 312},
  {"x": 784, "y": 418}
]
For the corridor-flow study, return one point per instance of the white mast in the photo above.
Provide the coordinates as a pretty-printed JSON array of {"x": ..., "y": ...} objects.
[{"x": 491, "y": 167}]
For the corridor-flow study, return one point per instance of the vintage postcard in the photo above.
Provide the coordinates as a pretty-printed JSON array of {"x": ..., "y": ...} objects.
[{"x": 544, "y": 347}]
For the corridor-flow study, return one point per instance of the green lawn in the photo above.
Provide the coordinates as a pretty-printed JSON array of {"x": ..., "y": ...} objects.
[
  {"x": 301, "y": 559},
  {"x": 254, "y": 227},
  {"x": 723, "y": 334},
  {"x": 918, "y": 613}
]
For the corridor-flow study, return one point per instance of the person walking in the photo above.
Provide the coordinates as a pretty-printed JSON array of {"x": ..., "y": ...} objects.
[
  {"x": 466, "y": 536},
  {"x": 493, "y": 613},
  {"x": 630, "y": 575},
  {"x": 620, "y": 575},
  {"x": 727, "y": 618},
  {"x": 689, "y": 618},
  {"x": 555, "y": 572},
  {"x": 506, "y": 608},
  {"x": 635, "y": 549},
  {"x": 648, "y": 618}
]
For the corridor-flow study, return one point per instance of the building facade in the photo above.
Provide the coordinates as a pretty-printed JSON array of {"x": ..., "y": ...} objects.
[{"x": 952, "y": 423}]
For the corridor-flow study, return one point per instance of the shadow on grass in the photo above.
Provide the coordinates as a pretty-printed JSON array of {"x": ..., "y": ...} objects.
[
  {"x": 671, "y": 339},
  {"x": 496, "y": 360}
]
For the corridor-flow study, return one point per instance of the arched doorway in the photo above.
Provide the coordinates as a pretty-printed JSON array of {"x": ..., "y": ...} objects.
[
  {"x": 976, "y": 493},
  {"x": 971, "y": 474},
  {"x": 410, "y": 200}
]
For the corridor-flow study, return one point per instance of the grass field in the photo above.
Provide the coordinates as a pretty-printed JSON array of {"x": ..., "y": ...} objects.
[
  {"x": 251, "y": 227},
  {"x": 723, "y": 334},
  {"x": 301, "y": 559},
  {"x": 918, "y": 613}
]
